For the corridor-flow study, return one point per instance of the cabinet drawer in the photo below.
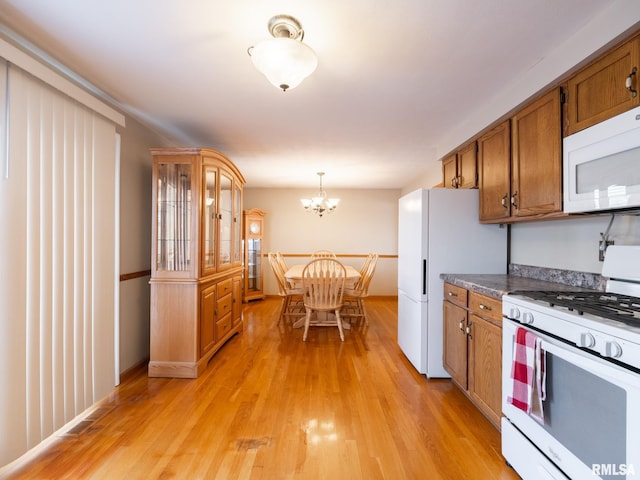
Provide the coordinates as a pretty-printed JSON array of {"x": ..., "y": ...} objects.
[
  {"x": 455, "y": 294},
  {"x": 224, "y": 305},
  {"x": 224, "y": 287},
  {"x": 486, "y": 307},
  {"x": 223, "y": 326}
]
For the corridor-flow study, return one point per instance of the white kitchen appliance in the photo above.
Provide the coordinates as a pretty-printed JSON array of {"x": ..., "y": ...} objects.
[
  {"x": 601, "y": 165},
  {"x": 591, "y": 346},
  {"x": 438, "y": 232}
]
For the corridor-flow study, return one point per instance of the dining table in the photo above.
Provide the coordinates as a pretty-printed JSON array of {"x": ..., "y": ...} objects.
[{"x": 294, "y": 276}]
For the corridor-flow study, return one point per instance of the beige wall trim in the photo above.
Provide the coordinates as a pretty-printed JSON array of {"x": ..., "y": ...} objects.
[
  {"x": 343, "y": 255},
  {"x": 130, "y": 276}
]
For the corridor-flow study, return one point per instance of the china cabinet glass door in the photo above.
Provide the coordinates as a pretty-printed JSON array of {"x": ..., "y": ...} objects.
[
  {"x": 174, "y": 197},
  {"x": 253, "y": 255},
  {"x": 209, "y": 220},
  {"x": 237, "y": 225},
  {"x": 225, "y": 214},
  {"x": 254, "y": 267}
]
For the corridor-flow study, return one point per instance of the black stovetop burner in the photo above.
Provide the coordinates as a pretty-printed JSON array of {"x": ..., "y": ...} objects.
[{"x": 612, "y": 306}]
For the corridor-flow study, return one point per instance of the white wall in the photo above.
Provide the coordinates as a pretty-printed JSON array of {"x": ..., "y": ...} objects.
[
  {"x": 135, "y": 240},
  {"x": 429, "y": 179},
  {"x": 365, "y": 221},
  {"x": 570, "y": 244}
]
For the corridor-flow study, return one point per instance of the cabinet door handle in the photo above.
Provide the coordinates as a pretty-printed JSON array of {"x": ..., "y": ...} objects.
[
  {"x": 485, "y": 307},
  {"x": 504, "y": 201},
  {"x": 453, "y": 182},
  {"x": 629, "y": 82},
  {"x": 461, "y": 325},
  {"x": 468, "y": 331},
  {"x": 514, "y": 201}
]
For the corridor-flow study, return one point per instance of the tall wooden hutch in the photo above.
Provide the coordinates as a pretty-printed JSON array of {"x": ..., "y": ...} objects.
[
  {"x": 196, "y": 264},
  {"x": 253, "y": 254}
]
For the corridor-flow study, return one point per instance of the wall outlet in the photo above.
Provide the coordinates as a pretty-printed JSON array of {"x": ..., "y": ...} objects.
[{"x": 604, "y": 244}]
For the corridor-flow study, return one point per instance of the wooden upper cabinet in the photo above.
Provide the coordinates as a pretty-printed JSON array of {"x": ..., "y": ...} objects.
[
  {"x": 468, "y": 166},
  {"x": 450, "y": 171},
  {"x": 494, "y": 168},
  {"x": 520, "y": 164},
  {"x": 536, "y": 157},
  {"x": 460, "y": 169},
  {"x": 599, "y": 91}
]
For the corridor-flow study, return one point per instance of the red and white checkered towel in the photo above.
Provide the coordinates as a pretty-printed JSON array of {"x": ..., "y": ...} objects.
[{"x": 528, "y": 374}]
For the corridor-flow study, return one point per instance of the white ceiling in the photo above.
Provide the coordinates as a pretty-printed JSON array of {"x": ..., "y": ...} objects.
[{"x": 394, "y": 77}]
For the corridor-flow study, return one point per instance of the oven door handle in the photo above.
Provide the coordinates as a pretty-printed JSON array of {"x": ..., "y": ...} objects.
[{"x": 570, "y": 353}]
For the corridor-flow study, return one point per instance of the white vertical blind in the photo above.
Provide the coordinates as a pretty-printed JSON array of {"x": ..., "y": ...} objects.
[{"x": 59, "y": 277}]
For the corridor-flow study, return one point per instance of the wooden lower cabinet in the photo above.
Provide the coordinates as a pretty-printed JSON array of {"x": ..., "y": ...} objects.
[
  {"x": 191, "y": 321},
  {"x": 485, "y": 367},
  {"x": 473, "y": 347},
  {"x": 455, "y": 336}
]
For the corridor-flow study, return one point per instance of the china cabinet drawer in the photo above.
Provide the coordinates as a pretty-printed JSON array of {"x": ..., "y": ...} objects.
[
  {"x": 223, "y": 326},
  {"x": 224, "y": 305},
  {"x": 224, "y": 287}
]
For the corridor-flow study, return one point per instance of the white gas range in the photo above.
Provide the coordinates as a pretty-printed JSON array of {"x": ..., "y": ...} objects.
[{"x": 588, "y": 385}]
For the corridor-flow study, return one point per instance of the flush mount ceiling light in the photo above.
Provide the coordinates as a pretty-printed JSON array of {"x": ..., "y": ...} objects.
[
  {"x": 284, "y": 59},
  {"x": 320, "y": 204}
]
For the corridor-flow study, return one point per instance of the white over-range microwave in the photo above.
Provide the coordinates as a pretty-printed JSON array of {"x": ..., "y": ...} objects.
[{"x": 601, "y": 165}]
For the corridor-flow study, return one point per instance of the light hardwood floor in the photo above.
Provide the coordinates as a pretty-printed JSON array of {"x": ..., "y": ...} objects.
[{"x": 272, "y": 407}]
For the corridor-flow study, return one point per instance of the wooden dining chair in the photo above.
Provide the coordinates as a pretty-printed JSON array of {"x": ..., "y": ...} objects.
[
  {"x": 323, "y": 254},
  {"x": 323, "y": 287},
  {"x": 281, "y": 261},
  {"x": 354, "y": 304},
  {"x": 291, "y": 305}
]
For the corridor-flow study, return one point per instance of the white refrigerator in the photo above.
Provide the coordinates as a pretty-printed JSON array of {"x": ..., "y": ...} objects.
[{"x": 438, "y": 232}]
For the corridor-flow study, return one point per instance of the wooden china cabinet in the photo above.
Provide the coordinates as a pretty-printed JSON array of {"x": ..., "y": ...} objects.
[
  {"x": 253, "y": 254},
  {"x": 196, "y": 264}
]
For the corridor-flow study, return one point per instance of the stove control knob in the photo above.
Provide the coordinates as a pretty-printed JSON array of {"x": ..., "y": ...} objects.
[
  {"x": 514, "y": 313},
  {"x": 527, "y": 317},
  {"x": 587, "y": 340},
  {"x": 612, "y": 349}
]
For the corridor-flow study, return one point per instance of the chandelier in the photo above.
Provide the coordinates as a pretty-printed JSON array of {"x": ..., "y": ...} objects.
[
  {"x": 284, "y": 59},
  {"x": 320, "y": 204}
]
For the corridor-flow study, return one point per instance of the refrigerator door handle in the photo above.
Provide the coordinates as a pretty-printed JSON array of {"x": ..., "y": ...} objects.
[{"x": 424, "y": 276}]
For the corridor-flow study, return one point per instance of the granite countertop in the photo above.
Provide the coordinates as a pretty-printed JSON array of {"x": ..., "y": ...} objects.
[{"x": 496, "y": 285}]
